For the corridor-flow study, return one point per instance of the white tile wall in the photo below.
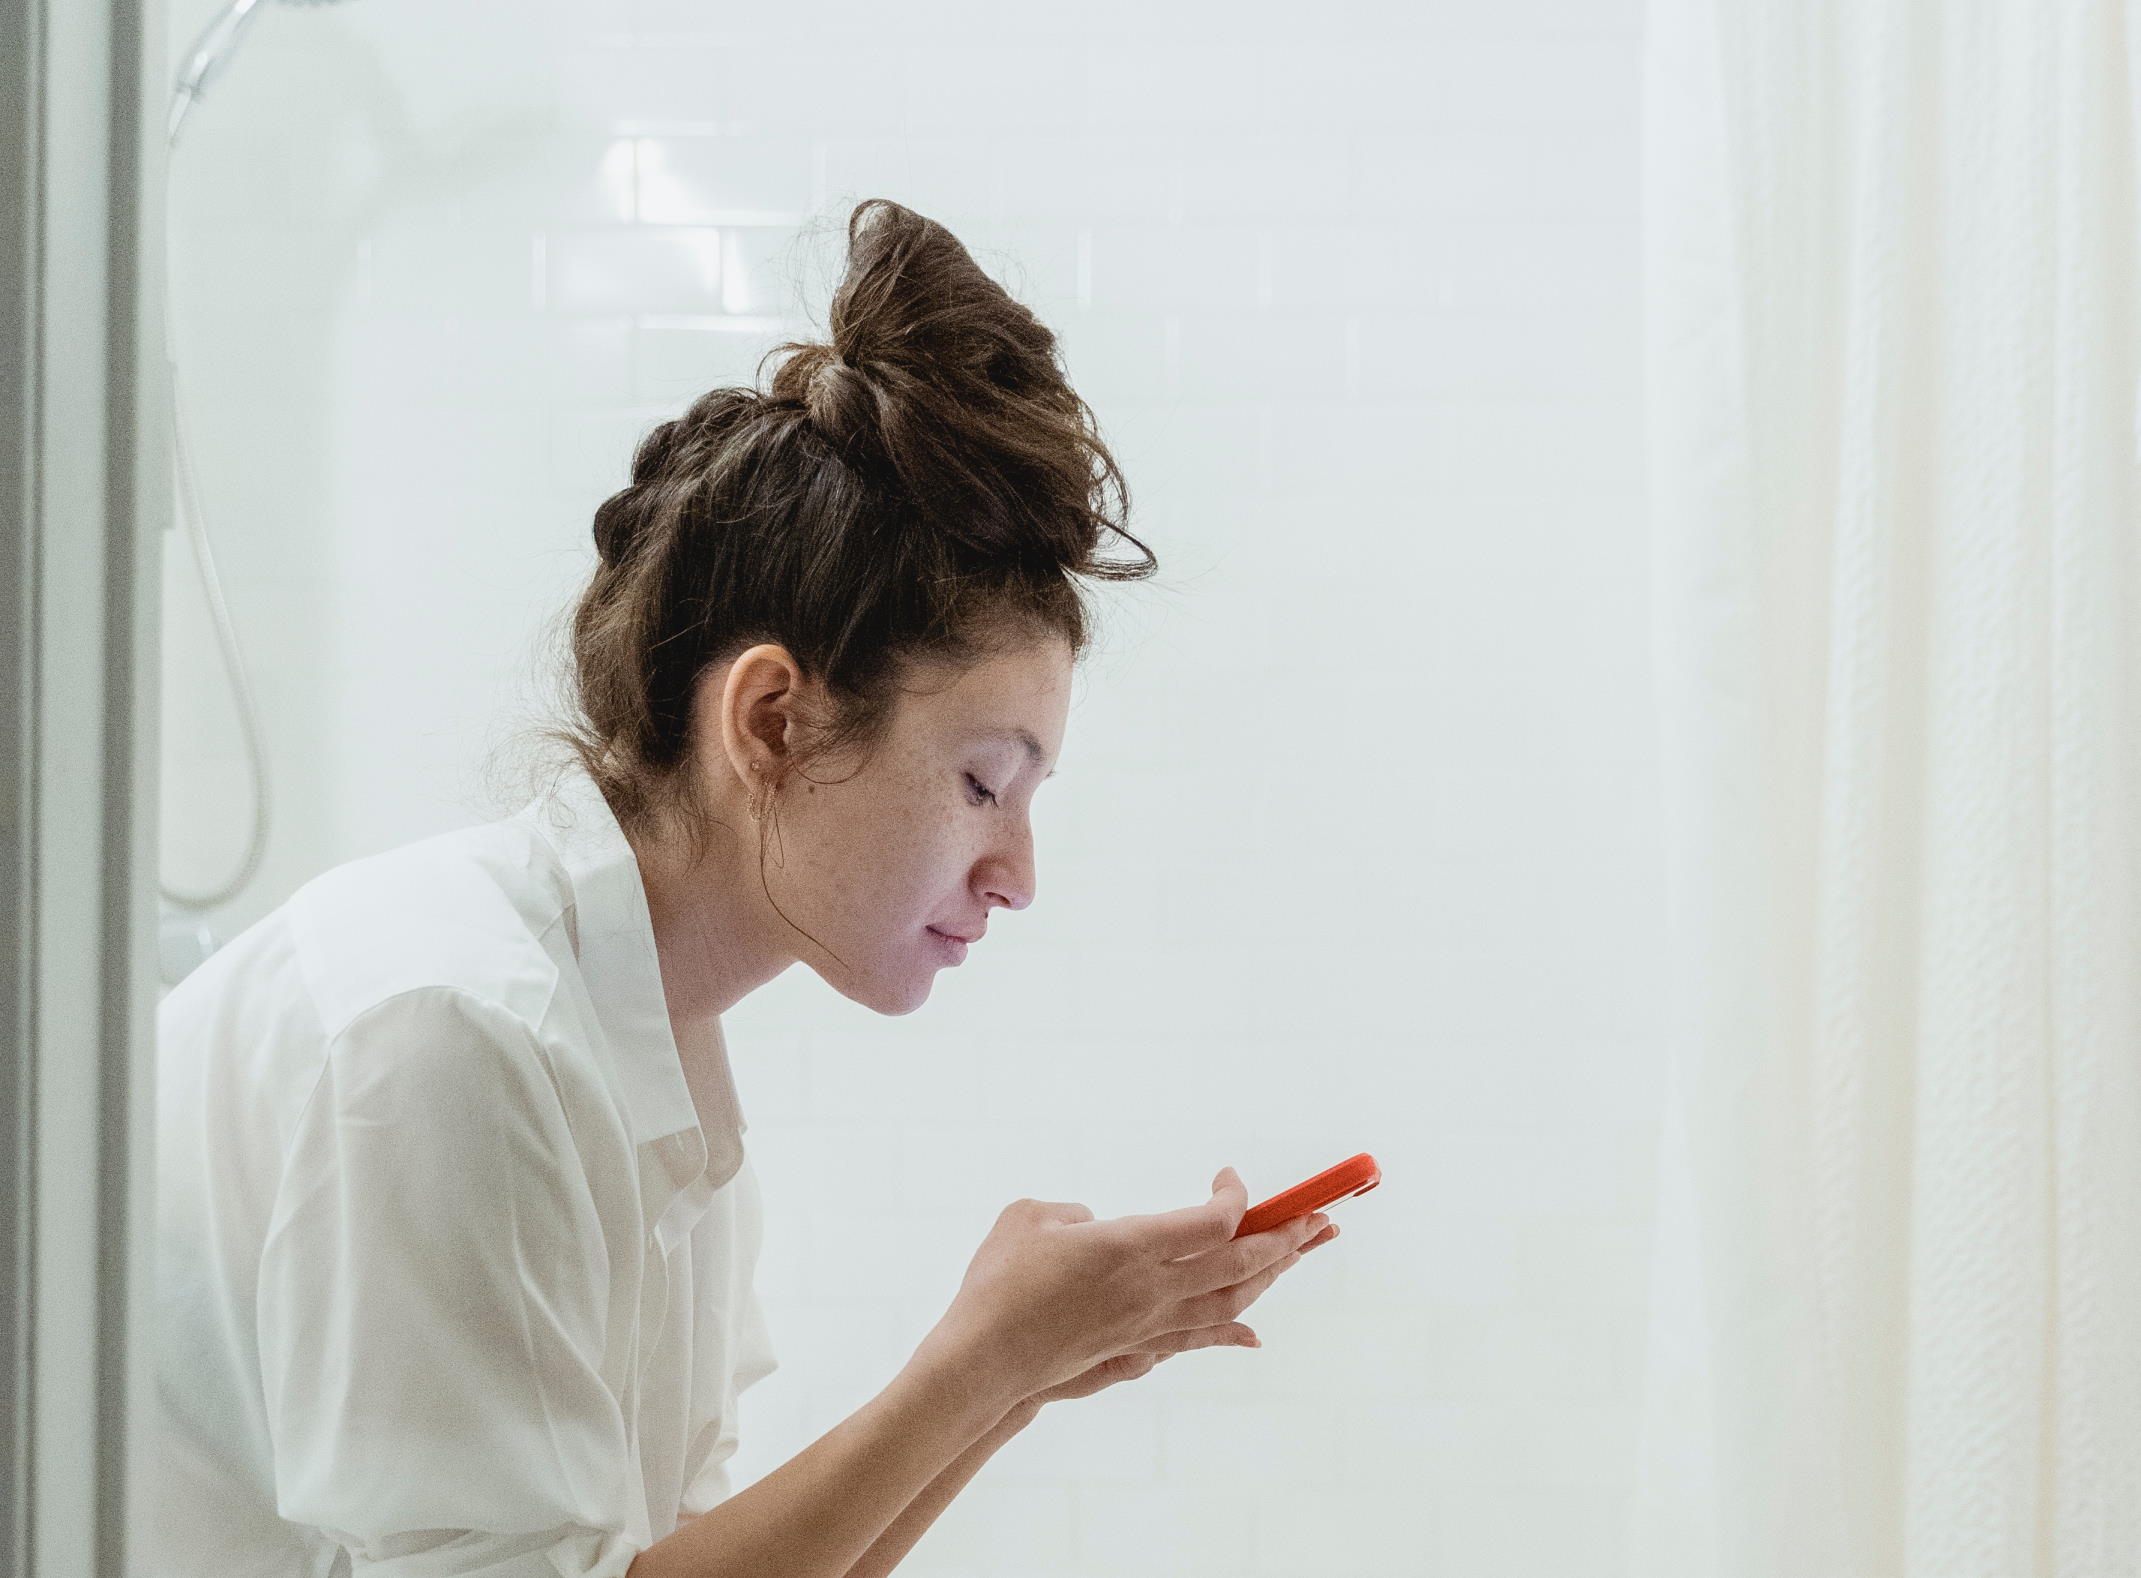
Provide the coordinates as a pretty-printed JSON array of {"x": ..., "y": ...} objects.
[{"x": 1354, "y": 846}]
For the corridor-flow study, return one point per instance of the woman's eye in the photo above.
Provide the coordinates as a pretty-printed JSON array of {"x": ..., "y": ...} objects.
[{"x": 976, "y": 782}]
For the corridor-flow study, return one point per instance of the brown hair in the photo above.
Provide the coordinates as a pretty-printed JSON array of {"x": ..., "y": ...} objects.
[{"x": 924, "y": 487}]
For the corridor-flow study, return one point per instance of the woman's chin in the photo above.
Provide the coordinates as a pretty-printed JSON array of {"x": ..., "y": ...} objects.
[
  {"x": 913, "y": 996},
  {"x": 891, "y": 995}
]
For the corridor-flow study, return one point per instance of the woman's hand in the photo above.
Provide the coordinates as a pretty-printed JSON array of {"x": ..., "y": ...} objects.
[
  {"x": 1053, "y": 1296},
  {"x": 1130, "y": 1366}
]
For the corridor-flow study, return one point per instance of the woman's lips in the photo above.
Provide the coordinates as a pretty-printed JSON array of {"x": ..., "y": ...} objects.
[{"x": 954, "y": 949}]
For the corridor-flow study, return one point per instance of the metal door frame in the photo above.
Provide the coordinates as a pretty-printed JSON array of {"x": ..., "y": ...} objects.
[{"x": 84, "y": 490}]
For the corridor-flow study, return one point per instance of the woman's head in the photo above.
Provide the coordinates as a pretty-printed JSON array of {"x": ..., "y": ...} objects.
[{"x": 822, "y": 597}]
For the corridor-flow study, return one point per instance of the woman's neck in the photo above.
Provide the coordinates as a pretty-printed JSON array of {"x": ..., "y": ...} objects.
[{"x": 707, "y": 936}]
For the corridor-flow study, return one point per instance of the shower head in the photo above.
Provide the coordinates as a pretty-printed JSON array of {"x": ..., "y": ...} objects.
[{"x": 212, "y": 51}]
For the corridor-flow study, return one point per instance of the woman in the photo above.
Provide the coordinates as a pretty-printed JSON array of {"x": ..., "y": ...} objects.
[{"x": 457, "y": 1230}]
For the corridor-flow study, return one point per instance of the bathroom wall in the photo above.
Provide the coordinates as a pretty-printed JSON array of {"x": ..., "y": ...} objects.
[{"x": 1355, "y": 841}]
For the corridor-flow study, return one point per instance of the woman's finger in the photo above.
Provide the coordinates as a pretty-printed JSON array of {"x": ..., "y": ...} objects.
[{"x": 1239, "y": 1260}]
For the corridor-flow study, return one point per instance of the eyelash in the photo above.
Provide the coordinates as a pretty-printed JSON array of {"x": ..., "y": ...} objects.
[{"x": 976, "y": 782}]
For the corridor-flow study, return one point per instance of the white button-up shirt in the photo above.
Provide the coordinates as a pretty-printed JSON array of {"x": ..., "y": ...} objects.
[{"x": 454, "y": 1248}]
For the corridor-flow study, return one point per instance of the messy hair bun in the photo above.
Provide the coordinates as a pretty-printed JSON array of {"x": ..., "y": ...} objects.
[
  {"x": 923, "y": 484},
  {"x": 951, "y": 395}
]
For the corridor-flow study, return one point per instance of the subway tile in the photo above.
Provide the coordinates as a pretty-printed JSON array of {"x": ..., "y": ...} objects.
[
  {"x": 461, "y": 449},
  {"x": 514, "y": 177},
  {"x": 948, "y": 1069},
  {"x": 1211, "y": 452},
  {"x": 1553, "y": 1443},
  {"x": 821, "y": 85},
  {"x": 590, "y": 453},
  {"x": 1389, "y": 1442},
  {"x": 1066, "y": 1079},
  {"x": 948, "y": 179},
  {"x": 764, "y": 271},
  {"x": 1493, "y": 537},
  {"x": 1248, "y": 357},
  {"x": 1037, "y": 261},
  {"x": 1469, "y": 172},
  {"x": 1585, "y": 268},
  {"x": 681, "y": 20},
  {"x": 1535, "y": 82},
  {"x": 449, "y": 360},
  {"x": 1601, "y": 1254},
  {"x": 1394, "y": 267},
  {"x": 625, "y": 88},
  {"x": 1127, "y": 26},
  {"x": 736, "y": 180},
  {"x": 845, "y": 1345},
  {"x": 1117, "y": 356},
  {"x": 1094, "y": 178},
  {"x": 1436, "y": 1255},
  {"x": 856, "y": 1076},
  {"x": 633, "y": 270},
  {"x": 448, "y": 266},
  {"x": 950, "y": 1165},
  {"x": 587, "y": 362},
  {"x": 1374, "y": 452},
  {"x": 1520, "y": 1350},
  {"x": 1164, "y": 1531},
  {"x": 978, "y": 89},
  {"x": 1269, "y": 1444},
  {"x": 1293, "y": 179},
  {"x": 1495, "y": 1075},
  {"x": 792, "y": 1264},
  {"x": 675, "y": 361},
  {"x": 1542, "y": 443},
  {"x": 773, "y": 1079},
  {"x": 1488, "y": 83},
  {"x": 1180, "y": 266},
  {"x": 1107, "y": 1439},
  {"x": 1335, "y": 1529},
  {"x": 1325, "y": 1347},
  {"x": 1376, "y": 20},
  {"x": 825, "y": 1160},
  {"x": 1500, "y": 353},
  {"x": 446, "y": 369},
  {"x": 1207, "y": 86},
  {"x": 998, "y": 1526},
  {"x": 1518, "y": 1530},
  {"x": 876, "y": 1250}
]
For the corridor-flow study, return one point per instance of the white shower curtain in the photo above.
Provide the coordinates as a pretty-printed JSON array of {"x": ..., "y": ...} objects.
[{"x": 1892, "y": 323}]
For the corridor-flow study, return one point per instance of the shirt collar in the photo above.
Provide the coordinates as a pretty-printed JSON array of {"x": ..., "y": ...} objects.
[{"x": 612, "y": 932}]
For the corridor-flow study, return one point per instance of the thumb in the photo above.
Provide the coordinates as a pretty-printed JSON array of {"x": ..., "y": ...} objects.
[{"x": 1219, "y": 1179}]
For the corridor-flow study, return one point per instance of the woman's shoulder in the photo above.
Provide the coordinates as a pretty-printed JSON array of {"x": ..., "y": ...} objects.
[{"x": 467, "y": 916}]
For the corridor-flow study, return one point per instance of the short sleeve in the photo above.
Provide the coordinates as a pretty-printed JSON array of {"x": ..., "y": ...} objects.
[{"x": 432, "y": 1303}]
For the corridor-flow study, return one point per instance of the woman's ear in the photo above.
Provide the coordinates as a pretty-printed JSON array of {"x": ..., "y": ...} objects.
[{"x": 755, "y": 704}]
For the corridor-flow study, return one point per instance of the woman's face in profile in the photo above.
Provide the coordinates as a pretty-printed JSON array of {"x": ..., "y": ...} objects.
[{"x": 930, "y": 836}]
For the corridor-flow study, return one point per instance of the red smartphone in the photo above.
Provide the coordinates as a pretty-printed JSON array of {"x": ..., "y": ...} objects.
[{"x": 1355, "y": 1175}]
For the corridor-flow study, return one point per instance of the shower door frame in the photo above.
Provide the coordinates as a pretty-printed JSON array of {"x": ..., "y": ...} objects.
[{"x": 84, "y": 490}]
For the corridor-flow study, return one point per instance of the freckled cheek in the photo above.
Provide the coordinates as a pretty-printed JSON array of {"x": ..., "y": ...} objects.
[
  {"x": 899, "y": 862},
  {"x": 908, "y": 879}
]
